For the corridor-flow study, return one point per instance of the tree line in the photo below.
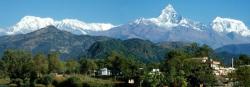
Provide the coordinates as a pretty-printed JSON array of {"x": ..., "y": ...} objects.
[{"x": 178, "y": 69}]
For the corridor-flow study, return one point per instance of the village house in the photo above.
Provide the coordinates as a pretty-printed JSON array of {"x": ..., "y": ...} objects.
[
  {"x": 104, "y": 72},
  {"x": 218, "y": 69}
]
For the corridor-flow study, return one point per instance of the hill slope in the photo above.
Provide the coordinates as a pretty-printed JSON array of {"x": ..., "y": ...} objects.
[
  {"x": 133, "y": 48},
  {"x": 50, "y": 39}
]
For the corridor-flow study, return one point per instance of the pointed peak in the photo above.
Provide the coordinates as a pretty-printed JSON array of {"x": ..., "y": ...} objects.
[
  {"x": 48, "y": 29},
  {"x": 168, "y": 10},
  {"x": 169, "y": 15}
]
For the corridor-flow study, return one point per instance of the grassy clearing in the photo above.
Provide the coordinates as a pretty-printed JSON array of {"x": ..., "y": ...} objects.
[{"x": 4, "y": 81}]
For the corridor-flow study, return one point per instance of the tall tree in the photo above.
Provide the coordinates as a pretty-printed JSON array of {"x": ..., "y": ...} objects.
[
  {"x": 17, "y": 63},
  {"x": 180, "y": 68},
  {"x": 242, "y": 60},
  {"x": 116, "y": 63},
  {"x": 204, "y": 51},
  {"x": 55, "y": 65},
  {"x": 41, "y": 63},
  {"x": 87, "y": 66},
  {"x": 72, "y": 66}
]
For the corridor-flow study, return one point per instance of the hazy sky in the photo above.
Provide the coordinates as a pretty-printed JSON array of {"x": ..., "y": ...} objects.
[{"x": 121, "y": 11}]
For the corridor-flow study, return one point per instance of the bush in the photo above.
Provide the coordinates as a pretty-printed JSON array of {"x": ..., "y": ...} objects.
[
  {"x": 46, "y": 80},
  {"x": 72, "y": 82},
  {"x": 17, "y": 81}
]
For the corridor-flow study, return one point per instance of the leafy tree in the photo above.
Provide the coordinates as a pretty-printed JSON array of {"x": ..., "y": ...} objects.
[
  {"x": 55, "y": 65},
  {"x": 195, "y": 50},
  {"x": 72, "y": 66},
  {"x": 17, "y": 63},
  {"x": 180, "y": 69},
  {"x": 133, "y": 70},
  {"x": 3, "y": 70},
  {"x": 242, "y": 76},
  {"x": 46, "y": 80},
  {"x": 243, "y": 60},
  {"x": 153, "y": 65},
  {"x": 192, "y": 49},
  {"x": 87, "y": 66},
  {"x": 153, "y": 79},
  {"x": 204, "y": 51},
  {"x": 174, "y": 66},
  {"x": 41, "y": 64},
  {"x": 116, "y": 63},
  {"x": 198, "y": 73}
]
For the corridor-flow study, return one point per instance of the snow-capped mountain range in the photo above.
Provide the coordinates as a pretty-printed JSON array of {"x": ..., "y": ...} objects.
[
  {"x": 168, "y": 26},
  {"x": 170, "y": 18},
  {"x": 230, "y": 25},
  {"x": 171, "y": 26},
  {"x": 31, "y": 23}
]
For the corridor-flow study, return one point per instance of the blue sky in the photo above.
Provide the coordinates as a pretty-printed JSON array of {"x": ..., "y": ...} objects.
[{"x": 121, "y": 11}]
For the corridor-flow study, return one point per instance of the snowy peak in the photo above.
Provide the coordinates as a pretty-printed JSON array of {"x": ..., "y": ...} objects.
[
  {"x": 169, "y": 15},
  {"x": 88, "y": 26},
  {"x": 168, "y": 9},
  {"x": 31, "y": 23},
  {"x": 170, "y": 18},
  {"x": 228, "y": 25}
]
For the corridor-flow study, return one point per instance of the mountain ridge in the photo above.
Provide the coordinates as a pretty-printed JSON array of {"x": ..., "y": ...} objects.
[
  {"x": 50, "y": 39},
  {"x": 168, "y": 26},
  {"x": 31, "y": 23}
]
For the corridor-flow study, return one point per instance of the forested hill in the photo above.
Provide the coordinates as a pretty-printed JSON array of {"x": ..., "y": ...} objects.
[{"x": 50, "y": 39}]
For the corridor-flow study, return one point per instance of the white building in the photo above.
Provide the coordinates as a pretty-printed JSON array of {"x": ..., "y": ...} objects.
[
  {"x": 216, "y": 66},
  {"x": 104, "y": 72}
]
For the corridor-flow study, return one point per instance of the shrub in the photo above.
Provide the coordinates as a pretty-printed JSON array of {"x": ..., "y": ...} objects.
[
  {"x": 72, "y": 82},
  {"x": 46, "y": 80}
]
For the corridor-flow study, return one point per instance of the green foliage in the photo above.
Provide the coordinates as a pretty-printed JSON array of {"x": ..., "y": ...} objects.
[
  {"x": 195, "y": 50},
  {"x": 3, "y": 72},
  {"x": 242, "y": 76},
  {"x": 116, "y": 63},
  {"x": 72, "y": 82},
  {"x": 142, "y": 50},
  {"x": 178, "y": 69},
  {"x": 46, "y": 80},
  {"x": 40, "y": 63},
  {"x": 87, "y": 66},
  {"x": 174, "y": 70},
  {"x": 153, "y": 79},
  {"x": 126, "y": 68},
  {"x": 197, "y": 73},
  {"x": 182, "y": 70},
  {"x": 55, "y": 65},
  {"x": 242, "y": 60},
  {"x": 72, "y": 66},
  {"x": 17, "y": 64}
]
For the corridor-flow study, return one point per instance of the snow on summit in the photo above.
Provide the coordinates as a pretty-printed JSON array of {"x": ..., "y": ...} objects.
[
  {"x": 220, "y": 24},
  {"x": 168, "y": 19},
  {"x": 31, "y": 23}
]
